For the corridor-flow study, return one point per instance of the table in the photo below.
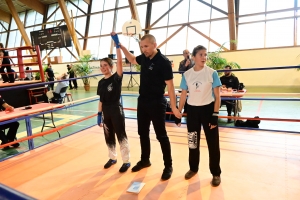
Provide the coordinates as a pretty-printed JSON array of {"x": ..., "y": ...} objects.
[
  {"x": 36, "y": 91},
  {"x": 21, "y": 112},
  {"x": 235, "y": 95}
]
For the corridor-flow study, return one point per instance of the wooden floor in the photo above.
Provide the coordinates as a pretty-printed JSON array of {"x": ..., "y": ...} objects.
[
  {"x": 255, "y": 165},
  {"x": 17, "y": 83}
]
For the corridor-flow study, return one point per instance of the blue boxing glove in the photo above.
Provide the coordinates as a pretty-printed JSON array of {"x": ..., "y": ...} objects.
[
  {"x": 116, "y": 40},
  {"x": 99, "y": 119}
]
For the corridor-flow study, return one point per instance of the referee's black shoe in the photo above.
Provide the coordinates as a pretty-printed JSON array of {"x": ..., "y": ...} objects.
[
  {"x": 167, "y": 173},
  {"x": 140, "y": 165}
]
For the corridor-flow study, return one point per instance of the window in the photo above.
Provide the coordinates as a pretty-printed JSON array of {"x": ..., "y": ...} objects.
[
  {"x": 3, "y": 25},
  {"x": 219, "y": 32},
  {"x": 104, "y": 48},
  {"x": 142, "y": 9},
  {"x": 221, "y": 4},
  {"x": 158, "y": 9},
  {"x": 280, "y": 33},
  {"x": 95, "y": 25},
  {"x": 3, "y": 37},
  {"x": 178, "y": 43},
  {"x": 195, "y": 39},
  {"x": 180, "y": 13},
  {"x": 123, "y": 3},
  {"x": 80, "y": 24},
  {"x": 109, "y": 4},
  {"x": 97, "y": 6},
  {"x": 51, "y": 9},
  {"x": 93, "y": 46},
  {"x": 160, "y": 35},
  {"x": 251, "y": 36},
  {"x": 195, "y": 14},
  {"x": 123, "y": 15},
  {"x": 30, "y": 18},
  {"x": 107, "y": 22},
  {"x": 12, "y": 39},
  {"x": 253, "y": 6},
  {"x": 279, "y": 4},
  {"x": 83, "y": 6}
]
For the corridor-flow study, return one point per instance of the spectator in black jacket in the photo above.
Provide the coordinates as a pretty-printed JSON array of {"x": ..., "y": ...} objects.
[
  {"x": 187, "y": 63},
  {"x": 6, "y": 64},
  {"x": 230, "y": 81},
  {"x": 72, "y": 75},
  {"x": 12, "y": 127}
]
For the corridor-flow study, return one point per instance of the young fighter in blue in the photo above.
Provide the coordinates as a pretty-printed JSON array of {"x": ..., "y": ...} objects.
[
  {"x": 203, "y": 85},
  {"x": 111, "y": 111}
]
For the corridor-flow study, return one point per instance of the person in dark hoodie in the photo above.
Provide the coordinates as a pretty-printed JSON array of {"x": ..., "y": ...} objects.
[{"x": 230, "y": 81}]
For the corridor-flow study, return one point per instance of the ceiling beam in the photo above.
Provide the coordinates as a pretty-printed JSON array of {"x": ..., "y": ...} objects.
[
  {"x": 133, "y": 10},
  {"x": 214, "y": 7},
  {"x": 20, "y": 25},
  {"x": 205, "y": 36},
  {"x": 232, "y": 22},
  {"x": 35, "y": 5},
  {"x": 87, "y": 25},
  {"x": 237, "y": 14},
  {"x": 5, "y": 16},
  {"x": 70, "y": 26},
  {"x": 148, "y": 15}
]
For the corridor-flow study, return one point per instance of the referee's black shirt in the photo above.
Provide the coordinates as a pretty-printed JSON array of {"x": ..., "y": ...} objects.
[{"x": 154, "y": 73}]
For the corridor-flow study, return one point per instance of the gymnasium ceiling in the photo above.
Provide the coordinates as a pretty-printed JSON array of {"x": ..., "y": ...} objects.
[{"x": 21, "y": 6}]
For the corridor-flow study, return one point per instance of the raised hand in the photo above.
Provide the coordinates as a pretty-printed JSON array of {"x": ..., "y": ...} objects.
[{"x": 115, "y": 38}]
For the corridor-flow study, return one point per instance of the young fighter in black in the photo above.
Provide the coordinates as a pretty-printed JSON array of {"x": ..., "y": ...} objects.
[{"x": 111, "y": 111}]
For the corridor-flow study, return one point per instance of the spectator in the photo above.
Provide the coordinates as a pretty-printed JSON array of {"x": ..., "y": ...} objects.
[
  {"x": 50, "y": 75},
  {"x": 12, "y": 127},
  {"x": 72, "y": 75},
  {"x": 229, "y": 81},
  {"x": 187, "y": 63}
]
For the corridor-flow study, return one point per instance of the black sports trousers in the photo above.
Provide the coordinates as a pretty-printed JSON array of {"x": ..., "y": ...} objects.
[
  {"x": 114, "y": 124},
  {"x": 197, "y": 116}
]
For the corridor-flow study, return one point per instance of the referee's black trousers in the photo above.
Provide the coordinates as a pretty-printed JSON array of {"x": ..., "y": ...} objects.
[{"x": 153, "y": 110}]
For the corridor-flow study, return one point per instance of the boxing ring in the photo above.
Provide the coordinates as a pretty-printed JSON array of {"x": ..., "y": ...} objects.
[{"x": 69, "y": 169}]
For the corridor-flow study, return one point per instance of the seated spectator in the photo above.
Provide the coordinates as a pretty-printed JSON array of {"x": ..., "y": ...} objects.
[
  {"x": 229, "y": 81},
  {"x": 12, "y": 127},
  {"x": 57, "y": 94},
  {"x": 28, "y": 75}
]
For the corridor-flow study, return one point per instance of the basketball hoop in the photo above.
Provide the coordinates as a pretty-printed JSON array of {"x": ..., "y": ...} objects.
[{"x": 132, "y": 28}]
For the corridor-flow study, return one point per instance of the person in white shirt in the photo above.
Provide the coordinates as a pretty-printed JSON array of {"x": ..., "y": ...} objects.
[
  {"x": 28, "y": 74},
  {"x": 203, "y": 85},
  {"x": 57, "y": 94}
]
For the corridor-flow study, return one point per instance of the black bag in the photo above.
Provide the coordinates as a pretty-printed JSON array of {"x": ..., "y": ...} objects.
[
  {"x": 241, "y": 86},
  {"x": 248, "y": 123}
]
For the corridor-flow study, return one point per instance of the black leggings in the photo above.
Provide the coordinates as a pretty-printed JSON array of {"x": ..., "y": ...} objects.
[
  {"x": 197, "y": 115},
  {"x": 10, "y": 77},
  {"x": 114, "y": 123},
  {"x": 153, "y": 110},
  {"x": 12, "y": 131}
]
